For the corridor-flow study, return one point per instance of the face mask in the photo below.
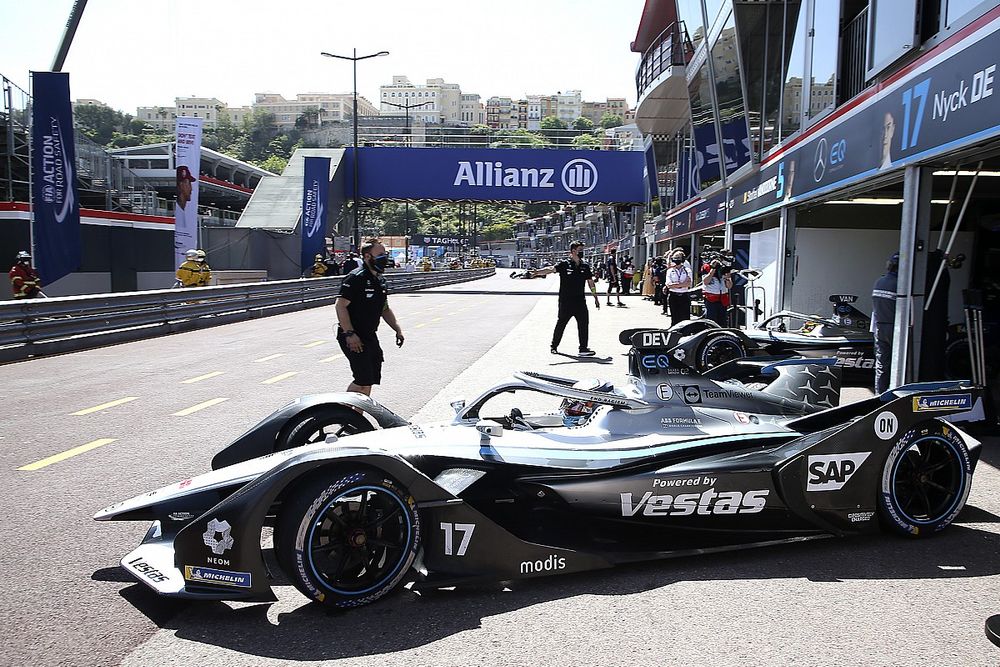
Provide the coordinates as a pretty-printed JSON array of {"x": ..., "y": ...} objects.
[
  {"x": 380, "y": 263},
  {"x": 678, "y": 260}
]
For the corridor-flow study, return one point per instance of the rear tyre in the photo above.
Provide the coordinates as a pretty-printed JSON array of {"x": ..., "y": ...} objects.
[
  {"x": 925, "y": 481},
  {"x": 717, "y": 349},
  {"x": 316, "y": 426},
  {"x": 348, "y": 542}
]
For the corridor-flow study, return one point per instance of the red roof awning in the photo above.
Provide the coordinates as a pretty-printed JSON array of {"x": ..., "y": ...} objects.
[{"x": 656, "y": 16}]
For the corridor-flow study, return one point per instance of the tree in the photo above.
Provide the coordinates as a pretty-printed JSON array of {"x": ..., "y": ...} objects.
[
  {"x": 583, "y": 124},
  {"x": 274, "y": 164},
  {"x": 586, "y": 141},
  {"x": 609, "y": 120},
  {"x": 519, "y": 138},
  {"x": 138, "y": 126},
  {"x": 98, "y": 122},
  {"x": 308, "y": 119},
  {"x": 552, "y": 123}
]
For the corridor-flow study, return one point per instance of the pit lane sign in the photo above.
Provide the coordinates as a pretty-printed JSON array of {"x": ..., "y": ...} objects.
[{"x": 947, "y": 101}]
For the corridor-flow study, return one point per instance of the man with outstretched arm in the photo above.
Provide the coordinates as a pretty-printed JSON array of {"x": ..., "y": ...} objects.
[
  {"x": 573, "y": 273},
  {"x": 362, "y": 303}
]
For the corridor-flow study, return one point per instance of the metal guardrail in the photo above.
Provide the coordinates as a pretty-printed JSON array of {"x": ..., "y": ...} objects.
[{"x": 36, "y": 327}]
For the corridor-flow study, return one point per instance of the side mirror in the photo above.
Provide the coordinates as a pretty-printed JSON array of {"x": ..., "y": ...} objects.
[
  {"x": 458, "y": 405},
  {"x": 490, "y": 428}
]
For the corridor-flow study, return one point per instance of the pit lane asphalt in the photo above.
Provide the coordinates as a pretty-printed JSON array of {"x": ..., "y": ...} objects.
[{"x": 65, "y": 601}]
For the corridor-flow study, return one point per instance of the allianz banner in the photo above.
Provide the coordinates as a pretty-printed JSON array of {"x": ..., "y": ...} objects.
[
  {"x": 315, "y": 202},
  {"x": 188, "y": 167},
  {"x": 54, "y": 200},
  {"x": 512, "y": 174}
]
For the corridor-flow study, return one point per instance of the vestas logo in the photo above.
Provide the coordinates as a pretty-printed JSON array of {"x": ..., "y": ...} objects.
[
  {"x": 578, "y": 176},
  {"x": 57, "y": 171}
]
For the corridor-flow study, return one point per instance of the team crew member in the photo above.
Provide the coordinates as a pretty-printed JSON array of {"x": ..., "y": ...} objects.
[
  {"x": 716, "y": 284},
  {"x": 318, "y": 268},
  {"x": 677, "y": 282},
  {"x": 883, "y": 320},
  {"x": 363, "y": 302},
  {"x": 614, "y": 277},
  {"x": 206, "y": 270},
  {"x": 573, "y": 273},
  {"x": 189, "y": 273},
  {"x": 24, "y": 280}
]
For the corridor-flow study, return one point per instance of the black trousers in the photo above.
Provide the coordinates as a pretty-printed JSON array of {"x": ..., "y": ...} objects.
[
  {"x": 569, "y": 309},
  {"x": 680, "y": 306},
  {"x": 715, "y": 311},
  {"x": 657, "y": 294},
  {"x": 883, "y": 356}
]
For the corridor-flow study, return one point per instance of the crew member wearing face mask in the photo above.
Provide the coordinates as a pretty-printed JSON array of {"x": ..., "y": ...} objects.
[
  {"x": 573, "y": 274},
  {"x": 24, "y": 280},
  {"x": 363, "y": 302},
  {"x": 677, "y": 283}
]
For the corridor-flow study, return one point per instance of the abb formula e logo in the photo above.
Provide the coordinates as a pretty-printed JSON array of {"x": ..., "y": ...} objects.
[{"x": 830, "y": 472}]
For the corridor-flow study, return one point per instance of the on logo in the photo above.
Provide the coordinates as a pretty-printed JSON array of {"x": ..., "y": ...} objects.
[
  {"x": 830, "y": 472},
  {"x": 579, "y": 176}
]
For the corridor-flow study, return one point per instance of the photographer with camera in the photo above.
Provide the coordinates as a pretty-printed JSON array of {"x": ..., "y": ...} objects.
[{"x": 716, "y": 283}]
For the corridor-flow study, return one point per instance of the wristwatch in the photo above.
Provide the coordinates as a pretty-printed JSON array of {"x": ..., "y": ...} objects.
[{"x": 349, "y": 332}]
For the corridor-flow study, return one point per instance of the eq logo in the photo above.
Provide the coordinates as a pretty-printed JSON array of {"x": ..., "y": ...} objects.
[
  {"x": 655, "y": 361},
  {"x": 830, "y": 472},
  {"x": 579, "y": 176}
]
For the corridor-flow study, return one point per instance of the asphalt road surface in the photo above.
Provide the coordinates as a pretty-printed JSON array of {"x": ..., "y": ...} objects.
[{"x": 104, "y": 425}]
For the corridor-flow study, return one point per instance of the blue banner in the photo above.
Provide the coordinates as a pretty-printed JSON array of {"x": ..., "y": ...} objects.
[
  {"x": 483, "y": 174},
  {"x": 315, "y": 202},
  {"x": 54, "y": 200}
]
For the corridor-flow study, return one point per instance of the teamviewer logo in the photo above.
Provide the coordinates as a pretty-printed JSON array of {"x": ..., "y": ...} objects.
[{"x": 579, "y": 176}]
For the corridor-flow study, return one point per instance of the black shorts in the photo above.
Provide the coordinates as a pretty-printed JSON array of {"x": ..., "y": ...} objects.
[{"x": 366, "y": 365}]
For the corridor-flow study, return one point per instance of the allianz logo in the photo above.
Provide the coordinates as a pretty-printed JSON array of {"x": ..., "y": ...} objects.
[{"x": 578, "y": 176}]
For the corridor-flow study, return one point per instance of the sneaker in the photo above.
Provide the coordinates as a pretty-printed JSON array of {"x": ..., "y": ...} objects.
[
  {"x": 609, "y": 303},
  {"x": 621, "y": 305},
  {"x": 553, "y": 350},
  {"x": 586, "y": 352}
]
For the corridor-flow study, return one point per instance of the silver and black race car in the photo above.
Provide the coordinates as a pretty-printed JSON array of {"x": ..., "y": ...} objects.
[
  {"x": 543, "y": 475},
  {"x": 844, "y": 336}
]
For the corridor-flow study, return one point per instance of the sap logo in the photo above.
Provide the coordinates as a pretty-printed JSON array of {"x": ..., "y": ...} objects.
[
  {"x": 493, "y": 175},
  {"x": 553, "y": 563},
  {"x": 655, "y": 361},
  {"x": 654, "y": 339},
  {"x": 830, "y": 472},
  {"x": 705, "y": 503}
]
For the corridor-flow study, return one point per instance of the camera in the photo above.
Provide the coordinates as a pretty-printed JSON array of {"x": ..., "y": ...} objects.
[{"x": 720, "y": 260}]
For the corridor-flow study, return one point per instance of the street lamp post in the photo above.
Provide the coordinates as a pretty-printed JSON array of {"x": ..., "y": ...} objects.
[
  {"x": 357, "y": 205},
  {"x": 406, "y": 220}
]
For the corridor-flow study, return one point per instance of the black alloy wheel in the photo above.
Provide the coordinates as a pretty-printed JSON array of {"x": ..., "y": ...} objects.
[
  {"x": 316, "y": 426},
  {"x": 719, "y": 349}
]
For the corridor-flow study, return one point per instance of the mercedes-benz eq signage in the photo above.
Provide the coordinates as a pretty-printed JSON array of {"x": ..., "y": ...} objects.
[{"x": 499, "y": 174}]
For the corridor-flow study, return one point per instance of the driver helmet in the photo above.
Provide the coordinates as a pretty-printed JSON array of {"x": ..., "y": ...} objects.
[
  {"x": 576, "y": 412},
  {"x": 200, "y": 255},
  {"x": 191, "y": 254}
]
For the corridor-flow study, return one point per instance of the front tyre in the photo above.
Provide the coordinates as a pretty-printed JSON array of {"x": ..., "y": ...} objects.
[
  {"x": 349, "y": 541},
  {"x": 316, "y": 426},
  {"x": 717, "y": 349},
  {"x": 925, "y": 481}
]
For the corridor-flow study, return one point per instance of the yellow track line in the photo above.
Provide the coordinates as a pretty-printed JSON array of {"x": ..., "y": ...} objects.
[
  {"x": 67, "y": 454},
  {"x": 332, "y": 358},
  {"x": 269, "y": 357},
  {"x": 104, "y": 406},
  {"x": 202, "y": 377},
  {"x": 314, "y": 343},
  {"x": 201, "y": 406},
  {"x": 279, "y": 378}
]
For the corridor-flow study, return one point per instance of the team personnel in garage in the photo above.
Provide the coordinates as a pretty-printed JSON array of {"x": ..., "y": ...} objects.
[
  {"x": 363, "y": 302},
  {"x": 677, "y": 283},
  {"x": 24, "y": 280},
  {"x": 573, "y": 274},
  {"x": 883, "y": 320}
]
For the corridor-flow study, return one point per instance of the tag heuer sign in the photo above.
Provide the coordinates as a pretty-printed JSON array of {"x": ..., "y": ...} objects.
[{"x": 427, "y": 239}]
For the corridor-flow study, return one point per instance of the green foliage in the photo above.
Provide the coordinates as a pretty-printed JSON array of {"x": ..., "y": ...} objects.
[
  {"x": 609, "y": 120},
  {"x": 586, "y": 141},
  {"x": 495, "y": 221},
  {"x": 99, "y": 123},
  {"x": 552, "y": 123},
  {"x": 274, "y": 164},
  {"x": 583, "y": 124},
  {"x": 519, "y": 138}
]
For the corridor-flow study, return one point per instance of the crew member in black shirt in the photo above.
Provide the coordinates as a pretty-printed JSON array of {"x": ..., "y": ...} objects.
[
  {"x": 573, "y": 273},
  {"x": 363, "y": 302}
]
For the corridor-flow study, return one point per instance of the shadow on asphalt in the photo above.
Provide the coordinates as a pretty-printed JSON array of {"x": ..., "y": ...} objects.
[{"x": 406, "y": 620}]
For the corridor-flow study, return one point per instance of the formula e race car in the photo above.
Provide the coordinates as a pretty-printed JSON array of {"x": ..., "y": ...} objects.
[
  {"x": 845, "y": 336},
  {"x": 542, "y": 475}
]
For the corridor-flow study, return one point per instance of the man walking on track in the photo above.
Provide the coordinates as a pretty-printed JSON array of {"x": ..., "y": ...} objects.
[
  {"x": 573, "y": 273},
  {"x": 614, "y": 276}
]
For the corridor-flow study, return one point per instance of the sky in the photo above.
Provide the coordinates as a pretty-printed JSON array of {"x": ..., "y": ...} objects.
[{"x": 130, "y": 53}]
